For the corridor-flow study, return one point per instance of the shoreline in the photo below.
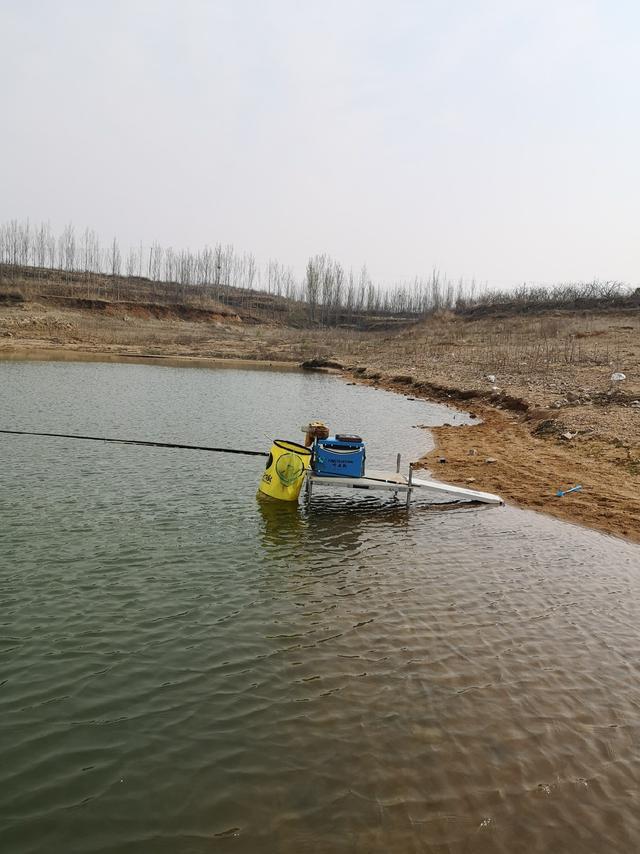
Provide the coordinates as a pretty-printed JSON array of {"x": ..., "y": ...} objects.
[
  {"x": 66, "y": 354},
  {"x": 500, "y": 453},
  {"x": 525, "y": 469}
]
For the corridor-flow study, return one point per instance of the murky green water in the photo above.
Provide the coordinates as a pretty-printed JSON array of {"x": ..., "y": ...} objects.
[{"x": 186, "y": 669}]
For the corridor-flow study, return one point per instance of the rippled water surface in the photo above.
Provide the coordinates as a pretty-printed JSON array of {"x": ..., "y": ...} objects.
[{"x": 186, "y": 669}]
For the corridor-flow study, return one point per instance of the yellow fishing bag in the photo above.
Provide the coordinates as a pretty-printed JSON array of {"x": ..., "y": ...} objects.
[{"x": 284, "y": 473}]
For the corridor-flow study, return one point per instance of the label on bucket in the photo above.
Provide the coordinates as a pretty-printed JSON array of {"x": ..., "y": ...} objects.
[{"x": 289, "y": 468}]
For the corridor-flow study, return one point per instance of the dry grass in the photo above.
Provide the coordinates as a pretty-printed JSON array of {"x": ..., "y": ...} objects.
[{"x": 518, "y": 350}]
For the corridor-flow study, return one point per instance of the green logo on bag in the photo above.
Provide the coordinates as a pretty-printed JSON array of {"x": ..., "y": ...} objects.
[{"x": 289, "y": 468}]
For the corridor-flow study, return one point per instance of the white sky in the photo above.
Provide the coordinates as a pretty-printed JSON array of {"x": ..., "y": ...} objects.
[{"x": 498, "y": 139}]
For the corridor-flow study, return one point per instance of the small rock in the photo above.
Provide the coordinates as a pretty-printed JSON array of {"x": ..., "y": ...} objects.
[
  {"x": 491, "y": 378},
  {"x": 618, "y": 376},
  {"x": 572, "y": 397},
  {"x": 442, "y": 460},
  {"x": 313, "y": 364},
  {"x": 472, "y": 415},
  {"x": 568, "y": 436},
  {"x": 491, "y": 460},
  {"x": 470, "y": 480},
  {"x": 472, "y": 452}
]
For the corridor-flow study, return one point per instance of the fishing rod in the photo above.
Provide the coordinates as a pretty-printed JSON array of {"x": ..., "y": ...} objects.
[
  {"x": 157, "y": 445},
  {"x": 139, "y": 442},
  {"x": 166, "y": 445}
]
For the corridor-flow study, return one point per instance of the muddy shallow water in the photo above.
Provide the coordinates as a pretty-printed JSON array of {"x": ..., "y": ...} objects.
[{"x": 186, "y": 668}]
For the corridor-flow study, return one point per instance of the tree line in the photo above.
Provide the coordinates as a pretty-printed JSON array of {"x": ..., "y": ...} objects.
[
  {"x": 327, "y": 292},
  {"x": 326, "y": 295}
]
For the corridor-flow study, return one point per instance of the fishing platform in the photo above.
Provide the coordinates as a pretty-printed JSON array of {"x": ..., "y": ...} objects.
[
  {"x": 339, "y": 462},
  {"x": 398, "y": 484},
  {"x": 323, "y": 461}
]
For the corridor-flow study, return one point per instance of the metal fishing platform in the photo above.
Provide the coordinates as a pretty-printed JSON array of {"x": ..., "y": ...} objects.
[{"x": 389, "y": 481}]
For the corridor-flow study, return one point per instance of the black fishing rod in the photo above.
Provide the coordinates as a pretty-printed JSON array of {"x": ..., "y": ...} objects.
[{"x": 139, "y": 442}]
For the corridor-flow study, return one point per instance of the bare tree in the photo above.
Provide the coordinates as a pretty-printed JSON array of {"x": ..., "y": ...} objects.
[
  {"x": 40, "y": 245},
  {"x": 326, "y": 283},
  {"x": 13, "y": 242},
  {"x": 338, "y": 287},
  {"x": 67, "y": 248},
  {"x": 132, "y": 261},
  {"x": 312, "y": 284},
  {"x": 115, "y": 258},
  {"x": 24, "y": 242}
]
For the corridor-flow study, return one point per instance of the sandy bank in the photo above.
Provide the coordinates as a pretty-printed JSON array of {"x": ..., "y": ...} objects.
[
  {"x": 529, "y": 471},
  {"x": 506, "y": 452}
]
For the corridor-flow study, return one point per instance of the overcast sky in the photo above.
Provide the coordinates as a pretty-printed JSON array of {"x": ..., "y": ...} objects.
[{"x": 491, "y": 138}]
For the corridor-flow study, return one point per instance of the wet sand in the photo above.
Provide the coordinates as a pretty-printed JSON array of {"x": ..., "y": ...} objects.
[
  {"x": 500, "y": 453},
  {"x": 529, "y": 471}
]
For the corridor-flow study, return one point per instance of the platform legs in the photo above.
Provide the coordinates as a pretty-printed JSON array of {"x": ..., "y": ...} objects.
[{"x": 409, "y": 481}]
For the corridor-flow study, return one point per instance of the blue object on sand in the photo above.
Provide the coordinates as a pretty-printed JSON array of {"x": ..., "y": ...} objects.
[{"x": 560, "y": 493}]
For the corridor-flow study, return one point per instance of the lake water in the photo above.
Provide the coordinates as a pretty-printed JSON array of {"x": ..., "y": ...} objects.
[{"x": 184, "y": 668}]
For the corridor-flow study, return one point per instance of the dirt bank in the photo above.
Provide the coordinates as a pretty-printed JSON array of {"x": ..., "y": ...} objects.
[
  {"x": 526, "y": 456},
  {"x": 528, "y": 470},
  {"x": 89, "y": 326}
]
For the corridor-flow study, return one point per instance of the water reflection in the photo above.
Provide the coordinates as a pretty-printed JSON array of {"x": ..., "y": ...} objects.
[
  {"x": 281, "y": 521},
  {"x": 330, "y": 522}
]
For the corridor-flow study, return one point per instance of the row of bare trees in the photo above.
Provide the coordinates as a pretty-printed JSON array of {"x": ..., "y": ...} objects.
[
  {"x": 327, "y": 295},
  {"x": 24, "y": 245},
  {"x": 332, "y": 295}
]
